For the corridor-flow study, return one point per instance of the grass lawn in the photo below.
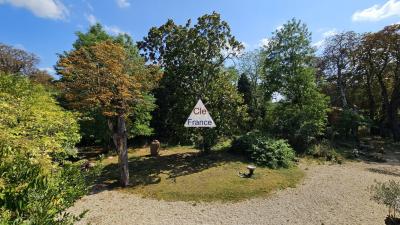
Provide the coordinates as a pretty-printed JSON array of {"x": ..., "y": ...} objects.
[{"x": 181, "y": 173}]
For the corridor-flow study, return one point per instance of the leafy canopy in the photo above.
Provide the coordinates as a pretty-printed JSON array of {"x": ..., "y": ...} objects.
[
  {"x": 300, "y": 116},
  {"x": 101, "y": 76},
  {"x": 192, "y": 57},
  {"x": 36, "y": 136}
]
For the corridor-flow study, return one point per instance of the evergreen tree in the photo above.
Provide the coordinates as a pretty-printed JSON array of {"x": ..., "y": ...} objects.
[{"x": 193, "y": 57}]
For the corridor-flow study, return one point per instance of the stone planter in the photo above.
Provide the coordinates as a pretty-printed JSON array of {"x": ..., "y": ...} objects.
[{"x": 154, "y": 148}]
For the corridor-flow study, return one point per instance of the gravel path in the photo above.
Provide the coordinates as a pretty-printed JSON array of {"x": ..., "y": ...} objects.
[{"x": 330, "y": 194}]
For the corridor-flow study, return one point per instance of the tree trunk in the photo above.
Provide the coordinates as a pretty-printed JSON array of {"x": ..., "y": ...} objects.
[
  {"x": 394, "y": 105},
  {"x": 371, "y": 101},
  {"x": 341, "y": 86},
  {"x": 393, "y": 122},
  {"x": 120, "y": 138},
  {"x": 384, "y": 99}
]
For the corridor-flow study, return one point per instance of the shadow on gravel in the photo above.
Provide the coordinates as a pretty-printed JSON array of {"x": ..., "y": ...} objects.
[{"x": 386, "y": 171}]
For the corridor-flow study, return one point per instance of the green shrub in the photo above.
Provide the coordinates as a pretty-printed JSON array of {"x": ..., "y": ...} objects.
[
  {"x": 348, "y": 123},
  {"x": 243, "y": 144},
  {"x": 326, "y": 151},
  {"x": 387, "y": 193},
  {"x": 300, "y": 124},
  {"x": 37, "y": 183},
  {"x": 264, "y": 151},
  {"x": 30, "y": 194}
]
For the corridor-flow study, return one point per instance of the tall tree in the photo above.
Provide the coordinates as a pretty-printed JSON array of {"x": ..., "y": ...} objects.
[
  {"x": 382, "y": 60},
  {"x": 17, "y": 61},
  {"x": 93, "y": 124},
  {"x": 193, "y": 57},
  {"x": 244, "y": 87},
  {"x": 370, "y": 63},
  {"x": 101, "y": 76},
  {"x": 251, "y": 64},
  {"x": 339, "y": 56},
  {"x": 301, "y": 112}
]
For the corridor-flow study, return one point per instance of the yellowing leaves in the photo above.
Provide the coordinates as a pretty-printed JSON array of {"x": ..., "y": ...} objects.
[
  {"x": 103, "y": 76},
  {"x": 33, "y": 121}
]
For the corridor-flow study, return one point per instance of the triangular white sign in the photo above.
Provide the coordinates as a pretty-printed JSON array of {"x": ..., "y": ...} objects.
[{"x": 199, "y": 117}]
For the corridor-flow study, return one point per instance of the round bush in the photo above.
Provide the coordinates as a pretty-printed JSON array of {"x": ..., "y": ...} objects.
[{"x": 264, "y": 151}]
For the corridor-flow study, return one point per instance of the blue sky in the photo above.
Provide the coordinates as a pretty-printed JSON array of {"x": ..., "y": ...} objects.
[{"x": 47, "y": 27}]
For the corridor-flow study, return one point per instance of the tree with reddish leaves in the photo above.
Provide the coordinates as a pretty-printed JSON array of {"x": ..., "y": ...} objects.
[{"x": 102, "y": 76}]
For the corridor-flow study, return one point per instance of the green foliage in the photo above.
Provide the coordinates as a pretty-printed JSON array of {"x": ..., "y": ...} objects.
[
  {"x": 243, "y": 143},
  {"x": 387, "y": 193},
  {"x": 31, "y": 117},
  {"x": 36, "y": 136},
  {"x": 264, "y": 151},
  {"x": 192, "y": 58},
  {"x": 244, "y": 88},
  {"x": 93, "y": 124},
  {"x": 251, "y": 66},
  {"x": 139, "y": 122},
  {"x": 94, "y": 129},
  {"x": 348, "y": 123},
  {"x": 300, "y": 123},
  {"x": 301, "y": 115},
  {"x": 326, "y": 151},
  {"x": 273, "y": 153}
]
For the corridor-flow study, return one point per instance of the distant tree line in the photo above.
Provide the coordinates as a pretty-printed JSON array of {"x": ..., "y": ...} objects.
[{"x": 361, "y": 74}]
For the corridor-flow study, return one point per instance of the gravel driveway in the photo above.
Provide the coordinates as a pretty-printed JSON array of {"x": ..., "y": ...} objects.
[{"x": 330, "y": 194}]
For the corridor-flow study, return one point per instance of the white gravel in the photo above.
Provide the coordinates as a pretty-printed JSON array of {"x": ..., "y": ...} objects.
[{"x": 330, "y": 194}]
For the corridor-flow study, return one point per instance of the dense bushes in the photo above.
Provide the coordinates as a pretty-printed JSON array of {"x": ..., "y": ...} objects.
[
  {"x": 37, "y": 183},
  {"x": 347, "y": 122},
  {"x": 264, "y": 151},
  {"x": 301, "y": 124},
  {"x": 324, "y": 150}
]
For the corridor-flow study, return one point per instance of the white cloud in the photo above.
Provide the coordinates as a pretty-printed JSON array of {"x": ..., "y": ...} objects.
[
  {"x": 245, "y": 45},
  {"x": 378, "y": 12},
  {"x": 51, "y": 9},
  {"x": 110, "y": 29},
  {"x": 123, "y": 3},
  {"x": 319, "y": 44},
  {"x": 264, "y": 42},
  {"x": 114, "y": 30},
  {"x": 278, "y": 28},
  {"x": 49, "y": 70},
  {"x": 329, "y": 33}
]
